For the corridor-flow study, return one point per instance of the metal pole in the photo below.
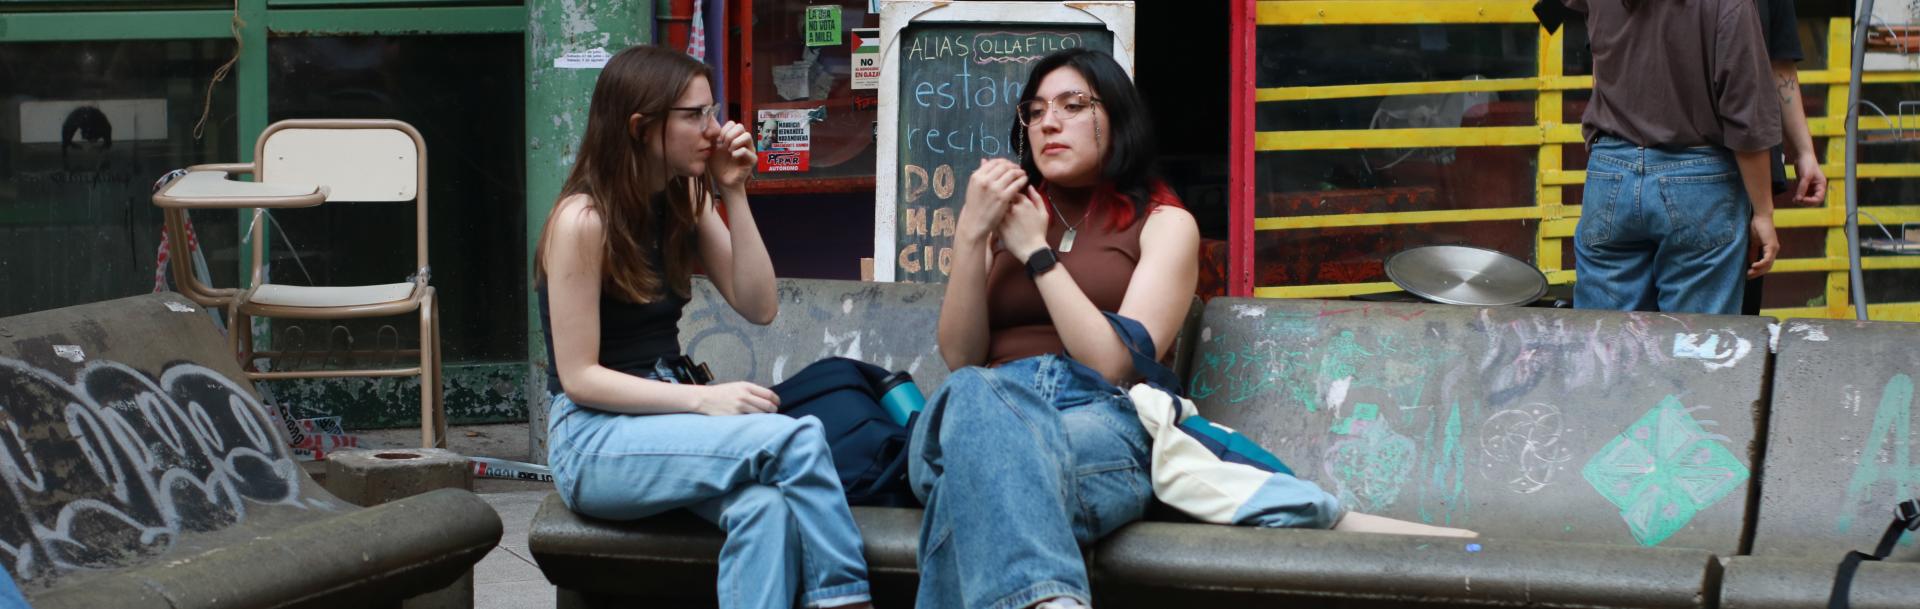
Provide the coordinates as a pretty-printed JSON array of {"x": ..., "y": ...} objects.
[{"x": 1856, "y": 282}]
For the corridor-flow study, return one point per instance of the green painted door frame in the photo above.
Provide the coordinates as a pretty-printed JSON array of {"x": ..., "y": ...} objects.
[{"x": 556, "y": 116}]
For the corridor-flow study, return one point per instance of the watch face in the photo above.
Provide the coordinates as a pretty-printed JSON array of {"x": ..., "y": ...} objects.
[{"x": 1040, "y": 262}]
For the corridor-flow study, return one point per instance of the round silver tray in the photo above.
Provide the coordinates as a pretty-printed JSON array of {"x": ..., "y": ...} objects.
[{"x": 1461, "y": 275}]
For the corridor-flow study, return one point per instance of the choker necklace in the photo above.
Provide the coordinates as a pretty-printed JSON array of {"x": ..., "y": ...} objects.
[{"x": 1066, "y": 239}]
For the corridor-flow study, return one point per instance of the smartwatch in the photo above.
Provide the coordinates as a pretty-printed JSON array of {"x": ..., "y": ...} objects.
[{"x": 1040, "y": 262}]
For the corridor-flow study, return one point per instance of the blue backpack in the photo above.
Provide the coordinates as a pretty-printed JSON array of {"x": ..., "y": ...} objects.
[{"x": 869, "y": 448}]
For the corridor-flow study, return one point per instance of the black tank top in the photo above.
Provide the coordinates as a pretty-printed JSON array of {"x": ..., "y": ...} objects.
[{"x": 632, "y": 336}]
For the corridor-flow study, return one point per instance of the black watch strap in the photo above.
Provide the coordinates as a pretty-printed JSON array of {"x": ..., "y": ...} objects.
[{"x": 1041, "y": 262}]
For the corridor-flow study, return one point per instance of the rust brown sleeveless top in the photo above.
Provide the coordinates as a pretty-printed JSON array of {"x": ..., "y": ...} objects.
[{"x": 1102, "y": 262}]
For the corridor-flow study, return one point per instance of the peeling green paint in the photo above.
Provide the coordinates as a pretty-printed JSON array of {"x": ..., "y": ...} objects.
[
  {"x": 476, "y": 393},
  {"x": 61, "y": 25}
]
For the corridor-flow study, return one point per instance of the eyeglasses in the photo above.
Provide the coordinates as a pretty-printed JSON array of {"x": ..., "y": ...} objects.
[
  {"x": 710, "y": 112},
  {"x": 1065, "y": 105}
]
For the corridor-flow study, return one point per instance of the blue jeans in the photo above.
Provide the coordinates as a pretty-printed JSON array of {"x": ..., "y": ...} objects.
[
  {"x": 10, "y": 597},
  {"x": 1661, "y": 230},
  {"x": 1019, "y": 466},
  {"x": 766, "y": 479}
]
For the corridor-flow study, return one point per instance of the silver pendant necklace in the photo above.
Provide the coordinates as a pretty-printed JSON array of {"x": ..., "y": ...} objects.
[{"x": 1066, "y": 239}]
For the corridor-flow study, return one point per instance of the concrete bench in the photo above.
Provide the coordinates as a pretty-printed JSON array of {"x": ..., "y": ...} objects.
[
  {"x": 1841, "y": 451},
  {"x": 142, "y": 471},
  {"x": 594, "y": 562},
  {"x": 1605, "y": 456},
  {"x": 889, "y": 324}
]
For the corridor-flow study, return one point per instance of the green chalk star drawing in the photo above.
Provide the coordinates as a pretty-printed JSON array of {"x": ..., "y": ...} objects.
[{"x": 1663, "y": 470}]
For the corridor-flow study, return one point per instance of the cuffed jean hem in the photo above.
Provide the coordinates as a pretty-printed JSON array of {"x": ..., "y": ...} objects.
[
  {"x": 1032, "y": 595},
  {"x": 838, "y": 596}
]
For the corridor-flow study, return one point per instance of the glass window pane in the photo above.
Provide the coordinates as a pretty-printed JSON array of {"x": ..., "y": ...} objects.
[
  {"x": 1296, "y": 56},
  {"x": 1359, "y": 254},
  {"x": 1439, "y": 110},
  {"x": 1895, "y": 102},
  {"x": 465, "y": 95},
  {"x": 1793, "y": 290},
  {"x": 87, "y": 128},
  {"x": 1323, "y": 182},
  {"x": 789, "y": 75},
  {"x": 1892, "y": 286}
]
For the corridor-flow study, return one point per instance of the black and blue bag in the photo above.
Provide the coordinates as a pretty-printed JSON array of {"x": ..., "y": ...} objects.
[{"x": 869, "y": 445}]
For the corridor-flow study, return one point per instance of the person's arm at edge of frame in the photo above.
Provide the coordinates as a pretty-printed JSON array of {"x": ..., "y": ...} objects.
[{"x": 1810, "y": 186}]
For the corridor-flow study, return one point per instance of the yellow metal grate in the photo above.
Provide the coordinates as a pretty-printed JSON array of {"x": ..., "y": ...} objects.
[{"x": 1550, "y": 133}]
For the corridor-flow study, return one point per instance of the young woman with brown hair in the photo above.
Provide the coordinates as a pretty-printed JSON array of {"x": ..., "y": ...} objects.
[{"x": 626, "y": 438}]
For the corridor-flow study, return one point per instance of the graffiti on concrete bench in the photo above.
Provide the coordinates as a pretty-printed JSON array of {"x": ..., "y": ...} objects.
[
  {"x": 1410, "y": 411},
  {"x": 1887, "y": 470},
  {"x": 888, "y": 328},
  {"x": 1842, "y": 448},
  {"x": 116, "y": 464}
]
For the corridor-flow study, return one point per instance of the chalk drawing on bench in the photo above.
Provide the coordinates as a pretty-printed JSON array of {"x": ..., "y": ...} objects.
[
  {"x": 1445, "y": 492},
  {"x": 1522, "y": 447},
  {"x": 1886, "y": 461},
  {"x": 853, "y": 325},
  {"x": 1243, "y": 375},
  {"x": 1340, "y": 360},
  {"x": 1294, "y": 358},
  {"x": 1664, "y": 469},
  {"x": 845, "y": 345},
  {"x": 722, "y": 340},
  {"x": 1522, "y": 354},
  {"x": 1807, "y": 331},
  {"x": 128, "y": 464},
  {"x": 1370, "y": 462},
  {"x": 1717, "y": 349}
]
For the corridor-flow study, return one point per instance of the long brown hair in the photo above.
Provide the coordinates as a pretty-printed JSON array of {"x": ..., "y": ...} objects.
[{"x": 613, "y": 169}]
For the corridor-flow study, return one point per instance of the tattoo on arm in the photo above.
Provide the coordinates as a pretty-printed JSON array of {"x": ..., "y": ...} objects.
[{"x": 1788, "y": 85}]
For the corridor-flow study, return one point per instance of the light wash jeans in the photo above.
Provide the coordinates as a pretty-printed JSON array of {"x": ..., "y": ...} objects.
[
  {"x": 1019, "y": 466},
  {"x": 1662, "y": 230},
  {"x": 10, "y": 597},
  {"x": 766, "y": 479}
]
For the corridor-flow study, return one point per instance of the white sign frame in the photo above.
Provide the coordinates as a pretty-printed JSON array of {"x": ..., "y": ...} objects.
[
  {"x": 1116, "y": 16},
  {"x": 43, "y": 122}
]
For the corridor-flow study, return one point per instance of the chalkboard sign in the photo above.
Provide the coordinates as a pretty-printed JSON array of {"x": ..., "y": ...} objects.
[{"x": 950, "y": 82}]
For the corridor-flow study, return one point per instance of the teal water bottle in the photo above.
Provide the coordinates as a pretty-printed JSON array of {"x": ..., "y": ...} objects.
[{"x": 900, "y": 397}]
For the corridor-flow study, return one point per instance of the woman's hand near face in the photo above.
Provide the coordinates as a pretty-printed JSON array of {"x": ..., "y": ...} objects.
[
  {"x": 993, "y": 187},
  {"x": 732, "y": 158},
  {"x": 1024, "y": 228}
]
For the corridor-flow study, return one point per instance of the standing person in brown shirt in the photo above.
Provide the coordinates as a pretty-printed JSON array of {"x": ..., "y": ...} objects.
[
  {"x": 1031, "y": 449},
  {"x": 1683, "y": 115}
]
